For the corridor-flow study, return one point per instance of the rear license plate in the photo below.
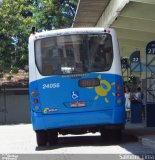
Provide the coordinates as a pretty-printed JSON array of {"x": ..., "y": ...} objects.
[{"x": 77, "y": 104}]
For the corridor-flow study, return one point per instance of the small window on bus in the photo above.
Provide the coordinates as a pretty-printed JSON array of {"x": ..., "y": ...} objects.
[{"x": 74, "y": 54}]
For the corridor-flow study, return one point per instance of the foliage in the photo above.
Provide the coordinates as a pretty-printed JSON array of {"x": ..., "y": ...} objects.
[
  {"x": 18, "y": 17},
  {"x": 61, "y": 13}
]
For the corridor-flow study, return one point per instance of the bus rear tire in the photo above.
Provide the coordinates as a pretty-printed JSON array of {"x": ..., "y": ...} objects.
[
  {"x": 41, "y": 136},
  {"x": 52, "y": 137},
  {"x": 110, "y": 135}
]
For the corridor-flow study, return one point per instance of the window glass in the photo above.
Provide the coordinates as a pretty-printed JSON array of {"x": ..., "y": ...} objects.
[{"x": 73, "y": 54}]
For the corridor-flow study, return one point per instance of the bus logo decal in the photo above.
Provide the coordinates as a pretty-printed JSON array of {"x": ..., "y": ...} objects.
[
  {"x": 75, "y": 95},
  {"x": 103, "y": 91},
  {"x": 49, "y": 110}
]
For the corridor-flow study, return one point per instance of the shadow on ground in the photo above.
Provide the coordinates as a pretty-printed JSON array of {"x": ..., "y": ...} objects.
[{"x": 77, "y": 141}]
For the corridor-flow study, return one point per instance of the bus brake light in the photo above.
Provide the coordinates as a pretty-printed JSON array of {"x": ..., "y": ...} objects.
[
  {"x": 118, "y": 94},
  {"x": 109, "y": 31},
  {"x": 35, "y": 101}
]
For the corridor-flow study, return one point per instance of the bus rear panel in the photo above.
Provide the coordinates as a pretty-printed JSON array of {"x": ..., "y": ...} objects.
[{"x": 75, "y": 80}]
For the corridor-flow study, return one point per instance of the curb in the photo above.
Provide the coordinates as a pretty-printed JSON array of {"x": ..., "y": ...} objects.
[
  {"x": 145, "y": 140},
  {"x": 148, "y": 141}
]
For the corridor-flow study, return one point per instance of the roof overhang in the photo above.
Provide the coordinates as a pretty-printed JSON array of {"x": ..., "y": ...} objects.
[
  {"x": 89, "y": 12},
  {"x": 133, "y": 20},
  {"x": 135, "y": 26}
]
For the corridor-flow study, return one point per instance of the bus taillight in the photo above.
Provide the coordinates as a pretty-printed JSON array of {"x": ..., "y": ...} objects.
[
  {"x": 118, "y": 94},
  {"x": 118, "y": 88},
  {"x": 34, "y": 93},
  {"x": 35, "y": 101},
  {"x": 119, "y": 101},
  {"x": 37, "y": 108}
]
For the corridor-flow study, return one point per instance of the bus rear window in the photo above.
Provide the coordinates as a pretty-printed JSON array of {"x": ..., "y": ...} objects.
[{"x": 74, "y": 54}]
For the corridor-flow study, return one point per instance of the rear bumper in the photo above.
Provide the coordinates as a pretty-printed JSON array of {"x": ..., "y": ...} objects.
[{"x": 60, "y": 121}]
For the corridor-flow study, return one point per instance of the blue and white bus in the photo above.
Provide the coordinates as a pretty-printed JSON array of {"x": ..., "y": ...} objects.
[{"x": 75, "y": 83}]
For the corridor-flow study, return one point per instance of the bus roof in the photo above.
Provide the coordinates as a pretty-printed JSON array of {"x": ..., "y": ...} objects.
[{"x": 67, "y": 31}]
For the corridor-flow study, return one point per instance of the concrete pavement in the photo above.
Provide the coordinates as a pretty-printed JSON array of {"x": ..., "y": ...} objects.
[
  {"x": 145, "y": 135},
  {"x": 20, "y": 139}
]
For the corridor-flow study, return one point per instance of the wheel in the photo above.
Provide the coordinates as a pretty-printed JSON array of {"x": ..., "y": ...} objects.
[
  {"x": 110, "y": 135},
  {"x": 41, "y": 136},
  {"x": 52, "y": 137}
]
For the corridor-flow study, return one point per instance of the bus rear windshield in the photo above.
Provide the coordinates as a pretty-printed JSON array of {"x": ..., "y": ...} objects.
[{"x": 74, "y": 54}]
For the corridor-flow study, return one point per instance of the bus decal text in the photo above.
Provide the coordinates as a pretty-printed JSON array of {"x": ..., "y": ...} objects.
[{"x": 51, "y": 86}]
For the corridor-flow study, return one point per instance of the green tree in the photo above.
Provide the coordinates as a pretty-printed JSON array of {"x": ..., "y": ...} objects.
[
  {"x": 55, "y": 14},
  {"x": 18, "y": 17},
  {"x": 14, "y": 30}
]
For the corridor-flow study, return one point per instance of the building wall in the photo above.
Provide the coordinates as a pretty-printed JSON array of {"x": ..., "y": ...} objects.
[{"x": 14, "y": 109}]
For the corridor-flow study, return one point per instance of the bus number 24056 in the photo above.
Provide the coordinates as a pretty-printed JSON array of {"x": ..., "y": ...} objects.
[{"x": 51, "y": 85}]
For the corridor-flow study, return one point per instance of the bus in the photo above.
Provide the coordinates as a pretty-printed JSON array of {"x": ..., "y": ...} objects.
[{"x": 75, "y": 83}]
